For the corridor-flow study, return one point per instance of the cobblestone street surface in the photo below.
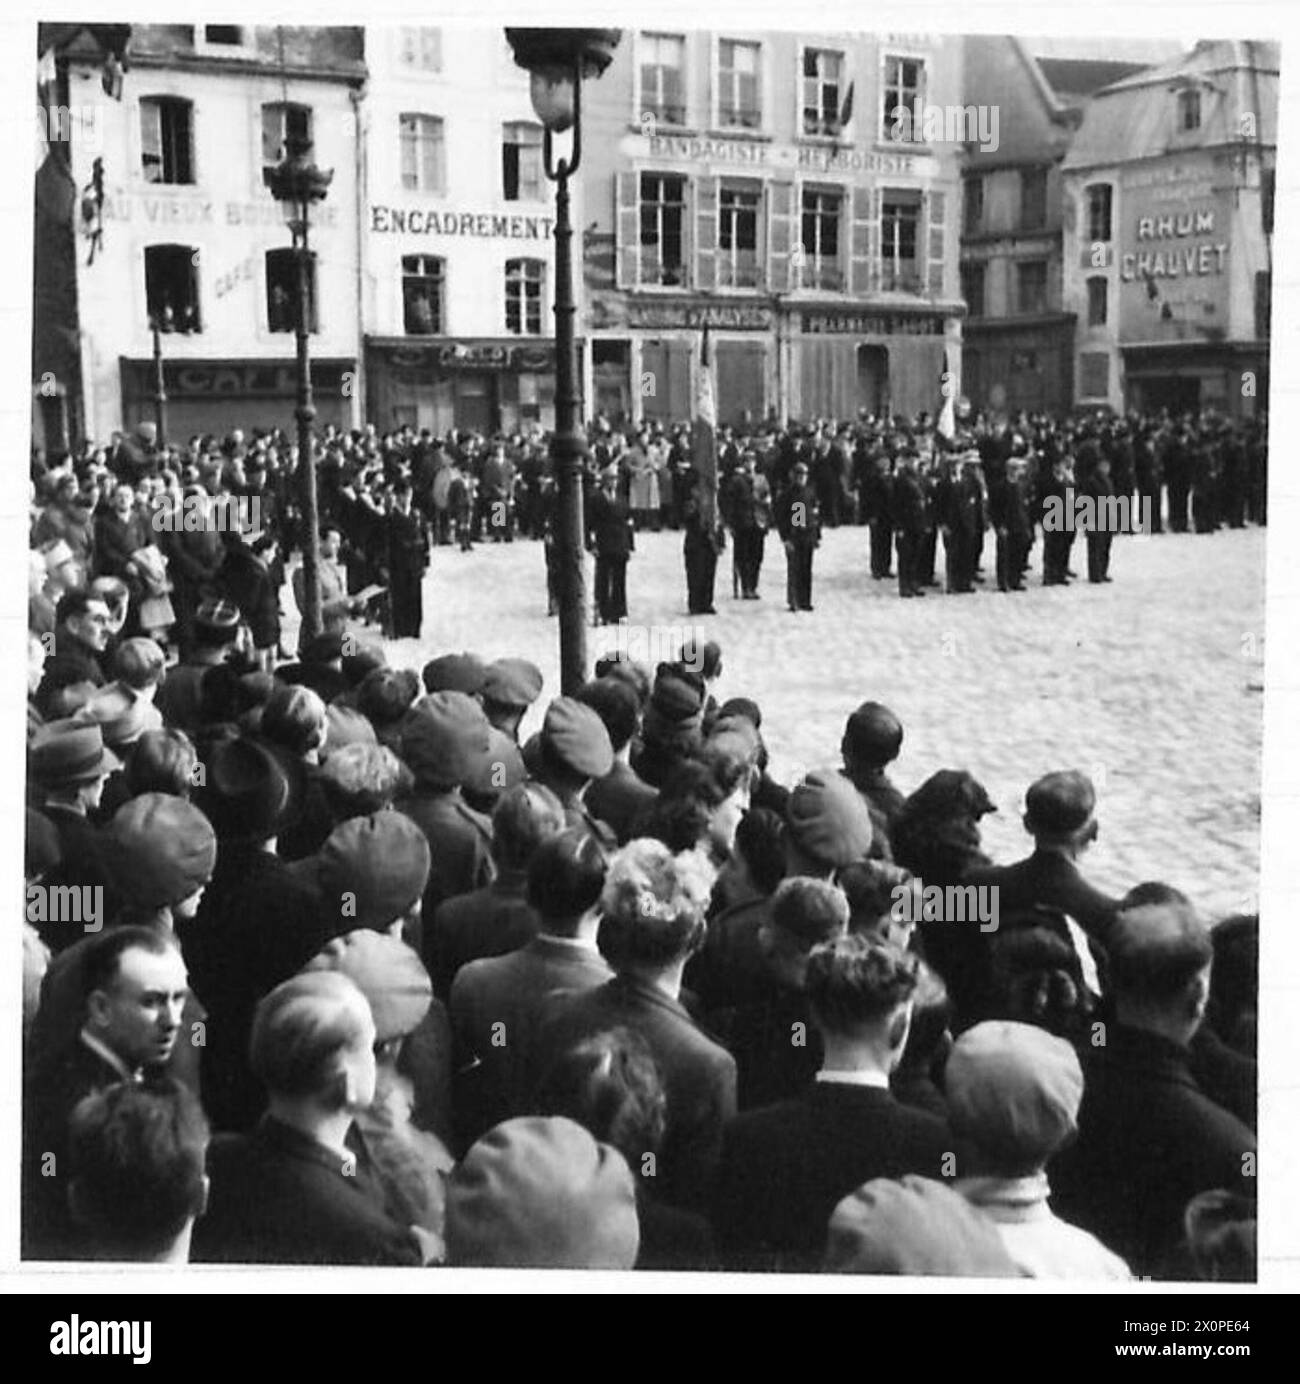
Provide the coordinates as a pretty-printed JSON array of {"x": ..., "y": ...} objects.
[{"x": 1151, "y": 685}]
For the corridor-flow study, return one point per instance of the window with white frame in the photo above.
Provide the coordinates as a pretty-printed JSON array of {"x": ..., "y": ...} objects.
[
  {"x": 420, "y": 137},
  {"x": 663, "y": 77},
  {"x": 663, "y": 216},
  {"x": 740, "y": 97},
  {"x": 525, "y": 294},
  {"x": 423, "y": 286},
  {"x": 282, "y": 121},
  {"x": 903, "y": 86},
  {"x": 165, "y": 139},
  {"x": 822, "y": 209},
  {"x": 900, "y": 219},
  {"x": 420, "y": 48},
  {"x": 738, "y": 222},
  {"x": 521, "y": 162},
  {"x": 823, "y": 91}
]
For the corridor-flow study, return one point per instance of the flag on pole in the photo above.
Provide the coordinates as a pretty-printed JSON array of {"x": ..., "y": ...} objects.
[
  {"x": 947, "y": 425},
  {"x": 704, "y": 451}
]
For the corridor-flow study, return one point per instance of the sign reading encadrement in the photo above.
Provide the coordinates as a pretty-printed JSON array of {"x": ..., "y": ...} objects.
[{"x": 481, "y": 224}]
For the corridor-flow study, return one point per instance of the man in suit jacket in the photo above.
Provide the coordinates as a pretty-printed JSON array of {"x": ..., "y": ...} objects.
[
  {"x": 294, "y": 1191},
  {"x": 611, "y": 533},
  {"x": 653, "y": 907},
  {"x": 1149, "y": 1138},
  {"x": 499, "y": 1003},
  {"x": 786, "y": 1167},
  {"x": 622, "y": 797}
]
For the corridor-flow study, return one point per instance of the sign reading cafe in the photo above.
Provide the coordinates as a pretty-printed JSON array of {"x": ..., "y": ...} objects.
[{"x": 484, "y": 225}]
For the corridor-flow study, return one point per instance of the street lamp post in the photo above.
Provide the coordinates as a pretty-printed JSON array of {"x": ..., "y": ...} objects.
[
  {"x": 296, "y": 184},
  {"x": 159, "y": 387},
  {"x": 558, "y": 60}
]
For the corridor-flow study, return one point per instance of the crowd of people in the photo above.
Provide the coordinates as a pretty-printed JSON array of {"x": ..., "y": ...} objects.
[{"x": 326, "y": 961}]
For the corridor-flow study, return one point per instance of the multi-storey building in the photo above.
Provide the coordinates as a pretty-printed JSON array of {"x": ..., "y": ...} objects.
[
  {"x": 459, "y": 235},
  {"x": 1018, "y": 338},
  {"x": 178, "y": 227},
  {"x": 762, "y": 185},
  {"x": 1169, "y": 188}
]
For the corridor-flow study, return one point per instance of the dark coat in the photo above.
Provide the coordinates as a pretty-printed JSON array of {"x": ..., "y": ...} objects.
[
  {"x": 699, "y": 1076},
  {"x": 609, "y": 525},
  {"x": 460, "y": 841},
  {"x": 619, "y": 799},
  {"x": 70, "y": 663},
  {"x": 786, "y": 1167},
  {"x": 1149, "y": 1140},
  {"x": 1048, "y": 880},
  {"x": 278, "y": 1197},
  {"x": 488, "y": 922}
]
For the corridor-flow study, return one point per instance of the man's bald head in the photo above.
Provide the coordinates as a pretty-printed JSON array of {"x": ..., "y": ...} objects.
[{"x": 1160, "y": 958}]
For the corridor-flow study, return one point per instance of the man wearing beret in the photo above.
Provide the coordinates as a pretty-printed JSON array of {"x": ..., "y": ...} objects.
[
  {"x": 445, "y": 744},
  {"x": 572, "y": 751},
  {"x": 1013, "y": 1093},
  {"x": 1150, "y": 1139},
  {"x": 785, "y": 1167},
  {"x": 510, "y": 687}
]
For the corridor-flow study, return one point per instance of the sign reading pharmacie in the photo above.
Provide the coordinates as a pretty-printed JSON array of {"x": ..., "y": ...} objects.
[
  {"x": 481, "y": 225},
  {"x": 854, "y": 322}
]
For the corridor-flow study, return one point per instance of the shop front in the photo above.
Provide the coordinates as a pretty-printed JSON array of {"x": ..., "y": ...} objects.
[
  {"x": 848, "y": 360},
  {"x": 480, "y": 385},
  {"x": 215, "y": 396}
]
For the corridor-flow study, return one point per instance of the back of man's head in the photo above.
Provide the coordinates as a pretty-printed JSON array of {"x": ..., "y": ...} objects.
[
  {"x": 1159, "y": 956},
  {"x": 855, "y": 984},
  {"x": 565, "y": 879},
  {"x": 805, "y": 913},
  {"x": 301, "y": 1033},
  {"x": 524, "y": 817},
  {"x": 137, "y": 1159}
]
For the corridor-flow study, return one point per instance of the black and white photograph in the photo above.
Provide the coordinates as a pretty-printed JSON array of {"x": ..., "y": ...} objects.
[{"x": 486, "y": 803}]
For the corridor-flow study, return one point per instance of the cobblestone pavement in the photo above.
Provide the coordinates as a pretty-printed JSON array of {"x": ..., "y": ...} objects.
[{"x": 1150, "y": 684}]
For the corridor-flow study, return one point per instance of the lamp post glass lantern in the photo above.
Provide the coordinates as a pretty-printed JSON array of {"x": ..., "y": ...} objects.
[
  {"x": 557, "y": 60},
  {"x": 296, "y": 183}
]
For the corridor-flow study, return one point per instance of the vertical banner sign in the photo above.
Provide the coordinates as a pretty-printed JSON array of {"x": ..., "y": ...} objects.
[
  {"x": 947, "y": 408},
  {"x": 704, "y": 451}
]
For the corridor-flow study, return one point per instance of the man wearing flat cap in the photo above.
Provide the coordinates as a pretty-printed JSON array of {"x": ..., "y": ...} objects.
[
  {"x": 510, "y": 687},
  {"x": 573, "y": 750},
  {"x": 1013, "y": 1094}
]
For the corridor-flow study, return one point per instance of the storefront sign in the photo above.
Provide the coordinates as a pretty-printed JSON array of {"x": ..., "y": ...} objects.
[
  {"x": 870, "y": 324},
  {"x": 236, "y": 378},
  {"x": 474, "y": 355},
  {"x": 1173, "y": 252},
  {"x": 817, "y": 158},
  {"x": 697, "y": 316},
  {"x": 151, "y": 209},
  {"x": 482, "y": 225}
]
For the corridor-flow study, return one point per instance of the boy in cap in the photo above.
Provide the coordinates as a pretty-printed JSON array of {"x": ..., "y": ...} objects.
[
  {"x": 573, "y": 750},
  {"x": 445, "y": 742},
  {"x": 843, "y": 1130},
  {"x": 1013, "y": 1094}
]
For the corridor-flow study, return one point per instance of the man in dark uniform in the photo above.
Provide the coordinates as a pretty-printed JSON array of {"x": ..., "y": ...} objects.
[
  {"x": 1177, "y": 469},
  {"x": 876, "y": 490},
  {"x": 1149, "y": 480},
  {"x": 909, "y": 517},
  {"x": 748, "y": 509},
  {"x": 1100, "y": 489},
  {"x": 610, "y": 534},
  {"x": 700, "y": 547},
  {"x": 798, "y": 520},
  {"x": 1057, "y": 508},
  {"x": 1009, "y": 511},
  {"x": 408, "y": 559}
]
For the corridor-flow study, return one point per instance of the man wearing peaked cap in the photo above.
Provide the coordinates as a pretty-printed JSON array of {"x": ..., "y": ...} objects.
[
  {"x": 455, "y": 673},
  {"x": 164, "y": 854},
  {"x": 574, "y": 749},
  {"x": 916, "y": 1226},
  {"x": 446, "y": 743},
  {"x": 1013, "y": 1092},
  {"x": 542, "y": 1193},
  {"x": 1060, "y": 814},
  {"x": 828, "y": 824}
]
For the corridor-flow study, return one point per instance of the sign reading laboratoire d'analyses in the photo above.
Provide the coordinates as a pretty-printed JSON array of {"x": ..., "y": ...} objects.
[{"x": 1175, "y": 238}]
